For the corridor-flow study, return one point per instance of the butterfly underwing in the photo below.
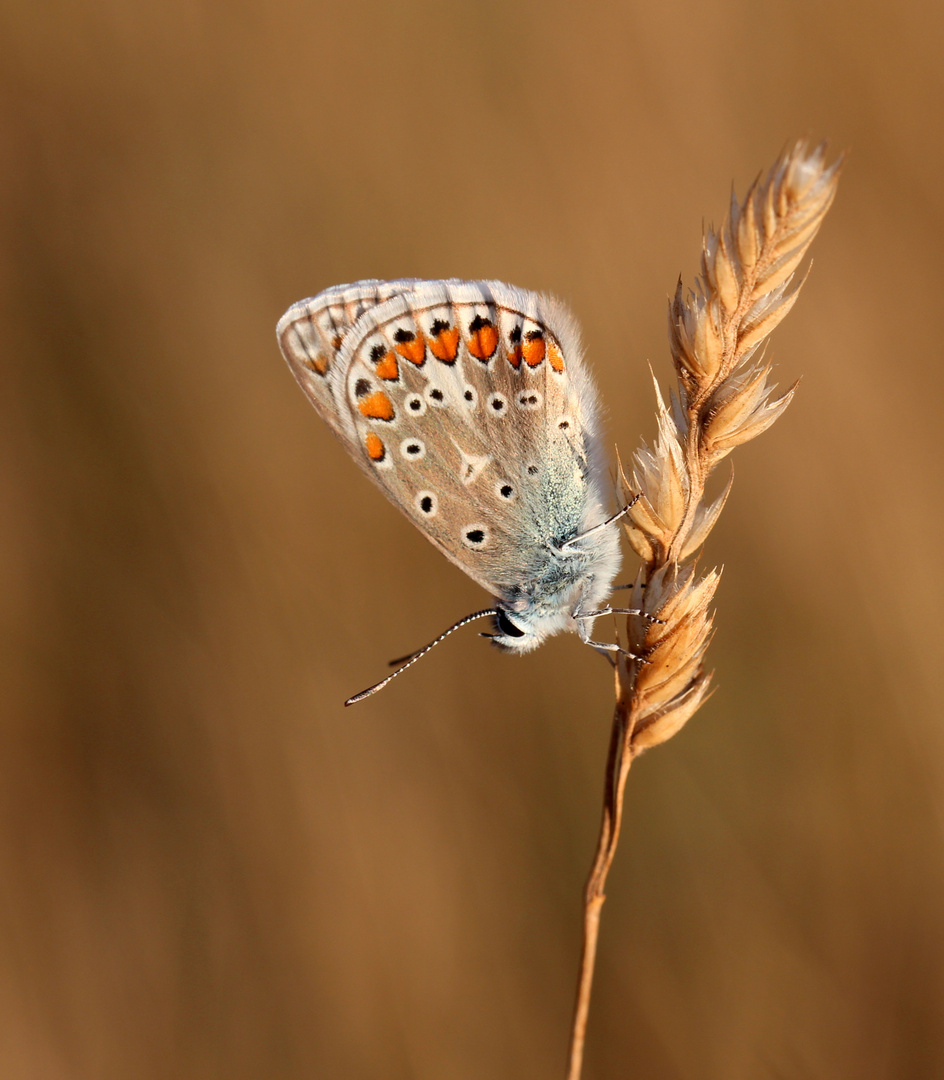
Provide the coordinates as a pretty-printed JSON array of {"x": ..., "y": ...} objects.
[{"x": 469, "y": 404}]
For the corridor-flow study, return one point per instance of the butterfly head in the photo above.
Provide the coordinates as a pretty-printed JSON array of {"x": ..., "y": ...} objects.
[
  {"x": 523, "y": 622},
  {"x": 520, "y": 632}
]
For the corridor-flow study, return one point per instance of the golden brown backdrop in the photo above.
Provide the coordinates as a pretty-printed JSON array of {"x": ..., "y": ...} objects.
[{"x": 208, "y": 868}]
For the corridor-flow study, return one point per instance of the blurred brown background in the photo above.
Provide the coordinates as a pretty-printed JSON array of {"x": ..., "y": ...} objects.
[{"x": 209, "y": 868}]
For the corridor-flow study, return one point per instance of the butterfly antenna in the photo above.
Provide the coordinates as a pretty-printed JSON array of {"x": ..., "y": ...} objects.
[
  {"x": 413, "y": 657},
  {"x": 603, "y": 524}
]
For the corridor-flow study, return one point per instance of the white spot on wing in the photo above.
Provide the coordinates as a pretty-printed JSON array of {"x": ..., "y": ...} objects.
[
  {"x": 413, "y": 449},
  {"x": 472, "y": 464}
]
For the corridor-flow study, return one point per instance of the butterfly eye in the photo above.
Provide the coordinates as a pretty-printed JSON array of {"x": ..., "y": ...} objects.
[
  {"x": 475, "y": 536},
  {"x": 413, "y": 449},
  {"x": 497, "y": 404},
  {"x": 505, "y": 626}
]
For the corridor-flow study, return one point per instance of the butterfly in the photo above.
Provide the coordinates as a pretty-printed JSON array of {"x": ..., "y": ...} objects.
[{"x": 470, "y": 405}]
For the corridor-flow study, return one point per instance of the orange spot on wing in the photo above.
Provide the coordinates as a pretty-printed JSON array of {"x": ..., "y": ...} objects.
[
  {"x": 515, "y": 357},
  {"x": 533, "y": 348},
  {"x": 413, "y": 350},
  {"x": 483, "y": 341},
  {"x": 554, "y": 357},
  {"x": 387, "y": 366},
  {"x": 376, "y": 406},
  {"x": 444, "y": 345},
  {"x": 376, "y": 450},
  {"x": 318, "y": 363}
]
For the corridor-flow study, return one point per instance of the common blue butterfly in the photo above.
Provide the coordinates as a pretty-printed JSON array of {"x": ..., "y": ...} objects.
[{"x": 469, "y": 404}]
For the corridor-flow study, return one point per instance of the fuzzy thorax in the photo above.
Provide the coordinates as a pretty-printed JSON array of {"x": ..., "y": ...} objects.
[{"x": 574, "y": 580}]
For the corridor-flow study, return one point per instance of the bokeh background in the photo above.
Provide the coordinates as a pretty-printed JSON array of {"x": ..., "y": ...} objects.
[{"x": 208, "y": 867}]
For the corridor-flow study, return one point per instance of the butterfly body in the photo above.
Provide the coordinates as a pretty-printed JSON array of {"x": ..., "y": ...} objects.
[{"x": 468, "y": 403}]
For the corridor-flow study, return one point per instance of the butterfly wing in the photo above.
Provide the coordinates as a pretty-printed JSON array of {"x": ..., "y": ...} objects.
[
  {"x": 468, "y": 403},
  {"x": 312, "y": 332}
]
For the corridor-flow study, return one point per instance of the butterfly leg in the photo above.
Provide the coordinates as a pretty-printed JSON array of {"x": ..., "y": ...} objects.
[
  {"x": 608, "y": 648},
  {"x": 621, "y": 611}
]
